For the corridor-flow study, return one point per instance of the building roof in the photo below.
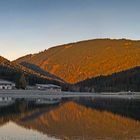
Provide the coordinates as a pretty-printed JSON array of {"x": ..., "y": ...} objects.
[
  {"x": 5, "y": 82},
  {"x": 48, "y": 85}
]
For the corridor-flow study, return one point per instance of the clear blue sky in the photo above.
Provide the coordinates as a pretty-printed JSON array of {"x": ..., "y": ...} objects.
[{"x": 29, "y": 26}]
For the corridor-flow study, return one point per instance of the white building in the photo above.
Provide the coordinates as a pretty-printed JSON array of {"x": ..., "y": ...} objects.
[
  {"x": 6, "y": 85},
  {"x": 48, "y": 87}
]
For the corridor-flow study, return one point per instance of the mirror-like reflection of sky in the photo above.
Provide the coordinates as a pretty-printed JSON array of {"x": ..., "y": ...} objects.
[{"x": 12, "y": 131}]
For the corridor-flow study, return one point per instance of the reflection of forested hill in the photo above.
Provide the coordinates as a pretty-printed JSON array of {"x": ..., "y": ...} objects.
[{"x": 71, "y": 119}]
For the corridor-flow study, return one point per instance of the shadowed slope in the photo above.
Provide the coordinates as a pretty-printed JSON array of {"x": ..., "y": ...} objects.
[{"x": 40, "y": 71}]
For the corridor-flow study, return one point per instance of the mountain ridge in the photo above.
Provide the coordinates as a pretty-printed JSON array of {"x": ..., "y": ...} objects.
[{"x": 78, "y": 61}]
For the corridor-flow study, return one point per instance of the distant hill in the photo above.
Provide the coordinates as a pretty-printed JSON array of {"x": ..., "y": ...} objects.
[
  {"x": 86, "y": 59},
  {"x": 9, "y": 71},
  {"x": 128, "y": 80}
]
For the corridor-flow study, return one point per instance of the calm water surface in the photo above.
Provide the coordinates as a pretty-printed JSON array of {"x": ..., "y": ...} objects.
[
  {"x": 75, "y": 119},
  {"x": 12, "y": 131}
]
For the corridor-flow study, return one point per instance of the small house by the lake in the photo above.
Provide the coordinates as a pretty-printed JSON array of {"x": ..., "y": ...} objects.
[
  {"x": 7, "y": 85},
  {"x": 49, "y": 87}
]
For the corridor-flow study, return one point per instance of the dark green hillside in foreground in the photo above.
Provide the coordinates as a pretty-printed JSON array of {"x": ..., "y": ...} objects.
[{"x": 128, "y": 80}]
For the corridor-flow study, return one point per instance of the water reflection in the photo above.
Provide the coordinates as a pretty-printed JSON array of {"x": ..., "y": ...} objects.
[
  {"x": 123, "y": 107},
  {"x": 79, "y": 119},
  {"x": 12, "y": 131}
]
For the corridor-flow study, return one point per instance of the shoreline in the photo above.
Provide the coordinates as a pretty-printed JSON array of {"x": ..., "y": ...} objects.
[{"x": 42, "y": 94}]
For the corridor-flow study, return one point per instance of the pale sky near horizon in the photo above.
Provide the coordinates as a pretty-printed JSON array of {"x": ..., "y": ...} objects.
[{"x": 30, "y": 26}]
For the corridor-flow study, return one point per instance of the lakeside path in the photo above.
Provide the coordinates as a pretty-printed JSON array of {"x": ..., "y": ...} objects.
[{"x": 35, "y": 94}]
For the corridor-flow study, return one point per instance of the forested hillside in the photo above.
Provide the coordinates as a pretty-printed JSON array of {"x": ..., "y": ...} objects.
[
  {"x": 10, "y": 71},
  {"x": 128, "y": 80},
  {"x": 86, "y": 59}
]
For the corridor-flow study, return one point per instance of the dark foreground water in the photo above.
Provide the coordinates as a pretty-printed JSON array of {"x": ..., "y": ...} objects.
[{"x": 72, "y": 119}]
